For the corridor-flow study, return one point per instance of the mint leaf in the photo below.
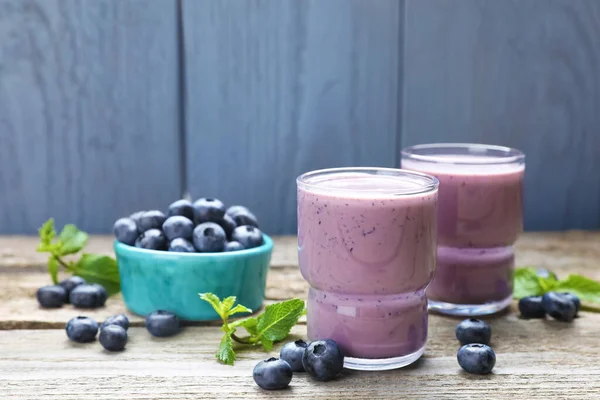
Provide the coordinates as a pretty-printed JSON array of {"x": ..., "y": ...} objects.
[
  {"x": 226, "y": 305},
  {"x": 266, "y": 344},
  {"x": 101, "y": 269},
  {"x": 53, "y": 269},
  {"x": 278, "y": 319},
  {"x": 585, "y": 288},
  {"x": 248, "y": 323},
  {"x": 226, "y": 353},
  {"x": 47, "y": 235},
  {"x": 526, "y": 283},
  {"x": 215, "y": 302},
  {"x": 239, "y": 309},
  {"x": 72, "y": 240}
]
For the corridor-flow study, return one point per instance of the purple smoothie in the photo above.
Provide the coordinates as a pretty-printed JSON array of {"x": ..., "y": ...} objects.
[
  {"x": 479, "y": 217},
  {"x": 366, "y": 245}
]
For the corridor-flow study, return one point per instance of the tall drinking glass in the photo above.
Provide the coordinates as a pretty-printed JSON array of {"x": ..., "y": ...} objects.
[
  {"x": 366, "y": 246},
  {"x": 480, "y": 215}
]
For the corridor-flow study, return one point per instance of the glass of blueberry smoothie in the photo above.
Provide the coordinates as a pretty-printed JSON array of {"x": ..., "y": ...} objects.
[
  {"x": 480, "y": 215},
  {"x": 366, "y": 246}
]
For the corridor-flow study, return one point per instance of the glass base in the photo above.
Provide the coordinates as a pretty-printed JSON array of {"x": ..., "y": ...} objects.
[
  {"x": 382, "y": 364},
  {"x": 468, "y": 310}
]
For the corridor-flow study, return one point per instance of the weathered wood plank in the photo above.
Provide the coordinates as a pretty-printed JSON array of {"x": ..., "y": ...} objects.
[
  {"x": 516, "y": 73},
  {"x": 89, "y": 120},
  {"x": 534, "y": 361},
  {"x": 279, "y": 87}
]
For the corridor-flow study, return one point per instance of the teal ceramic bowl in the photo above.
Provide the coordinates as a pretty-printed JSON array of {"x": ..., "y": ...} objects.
[{"x": 160, "y": 280}]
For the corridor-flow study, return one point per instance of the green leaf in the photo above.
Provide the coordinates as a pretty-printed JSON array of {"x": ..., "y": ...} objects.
[
  {"x": 250, "y": 324},
  {"x": 97, "y": 268},
  {"x": 239, "y": 309},
  {"x": 278, "y": 319},
  {"x": 53, "y": 269},
  {"x": 527, "y": 283},
  {"x": 47, "y": 235},
  {"x": 226, "y": 305},
  {"x": 267, "y": 344},
  {"x": 72, "y": 239},
  {"x": 584, "y": 288},
  {"x": 226, "y": 353},
  {"x": 215, "y": 302}
]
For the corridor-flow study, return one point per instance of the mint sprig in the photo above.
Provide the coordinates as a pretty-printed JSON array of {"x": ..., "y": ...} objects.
[
  {"x": 273, "y": 325},
  {"x": 94, "y": 268},
  {"x": 528, "y": 283}
]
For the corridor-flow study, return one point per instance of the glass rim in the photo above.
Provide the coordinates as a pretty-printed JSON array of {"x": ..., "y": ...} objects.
[
  {"x": 506, "y": 155},
  {"x": 430, "y": 183}
]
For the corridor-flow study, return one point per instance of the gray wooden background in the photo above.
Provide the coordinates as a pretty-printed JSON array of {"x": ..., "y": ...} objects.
[{"x": 110, "y": 106}]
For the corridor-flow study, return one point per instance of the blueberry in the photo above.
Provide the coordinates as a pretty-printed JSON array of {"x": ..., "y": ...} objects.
[
  {"x": 152, "y": 239},
  {"x": 292, "y": 353},
  {"x": 544, "y": 273},
  {"x": 559, "y": 307},
  {"x": 248, "y": 236},
  {"x": 473, "y": 330},
  {"x": 272, "y": 374},
  {"x": 136, "y": 216},
  {"x": 113, "y": 337},
  {"x": 233, "y": 246},
  {"x": 162, "y": 323},
  {"x": 182, "y": 246},
  {"x": 531, "y": 307},
  {"x": 178, "y": 227},
  {"x": 71, "y": 283},
  {"x": 119, "y": 319},
  {"x": 209, "y": 238},
  {"x": 51, "y": 296},
  {"x": 208, "y": 210},
  {"x": 151, "y": 220},
  {"x": 126, "y": 231},
  {"x": 242, "y": 216},
  {"x": 82, "y": 329},
  {"x": 181, "y": 207},
  {"x": 323, "y": 360},
  {"x": 476, "y": 358},
  {"x": 228, "y": 225},
  {"x": 575, "y": 301},
  {"x": 88, "y": 296}
]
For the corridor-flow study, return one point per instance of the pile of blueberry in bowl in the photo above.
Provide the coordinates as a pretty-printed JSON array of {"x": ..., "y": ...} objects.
[{"x": 166, "y": 258}]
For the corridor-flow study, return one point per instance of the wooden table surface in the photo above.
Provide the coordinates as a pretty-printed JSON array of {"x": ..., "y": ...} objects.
[{"x": 535, "y": 359}]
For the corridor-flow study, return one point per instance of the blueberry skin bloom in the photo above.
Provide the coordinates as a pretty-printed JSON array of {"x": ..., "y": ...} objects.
[
  {"x": 476, "y": 358},
  {"x": 162, "y": 323},
  {"x": 119, "y": 319},
  {"x": 209, "y": 238},
  {"x": 292, "y": 353},
  {"x": 51, "y": 296},
  {"x": 323, "y": 360},
  {"x": 531, "y": 307},
  {"x": 559, "y": 307},
  {"x": 473, "y": 330},
  {"x": 575, "y": 301},
  {"x": 82, "y": 329},
  {"x": 113, "y": 338},
  {"x": 126, "y": 231},
  {"x": 248, "y": 236},
  {"x": 88, "y": 296},
  {"x": 272, "y": 374}
]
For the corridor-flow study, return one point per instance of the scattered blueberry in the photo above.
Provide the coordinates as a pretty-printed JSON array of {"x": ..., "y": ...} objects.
[
  {"x": 476, "y": 358},
  {"x": 531, "y": 307},
  {"x": 71, "y": 283},
  {"x": 292, "y": 353},
  {"x": 82, "y": 329},
  {"x": 208, "y": 209},
  {"x": 575, "y": 301},
  {"x": 152, "y": 239},
  {"x": 119, "y": 319},
  {"x": 544, "y": 273},
  {"x": 178, "y": 227},
  {"x": 242, "y": 216},
  {"x": 181, "y": 207},
  {"x": 323, "y": 360},
  {"x": 88, "y": 296},
  {"x": 136, "y": 218},
  {"x": 182, "y": 245},
  {"x": 473, "y": 330},
  {"x": 151, "y": 220},
  {"x": 209, "y": 238},
  {"x": 248, "y": 236},
  {"x": 51, "y": 296},
  {"x": 559, "y": 307},
  {"x": 272, "y": 374},
  {"x": 126, "y": 231},
  {"x": 233, "y": 246},
  {"x": 228, "y": 225},
  {"x": 113, "y": 337},
  {"x": 162, "y": 323}
]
